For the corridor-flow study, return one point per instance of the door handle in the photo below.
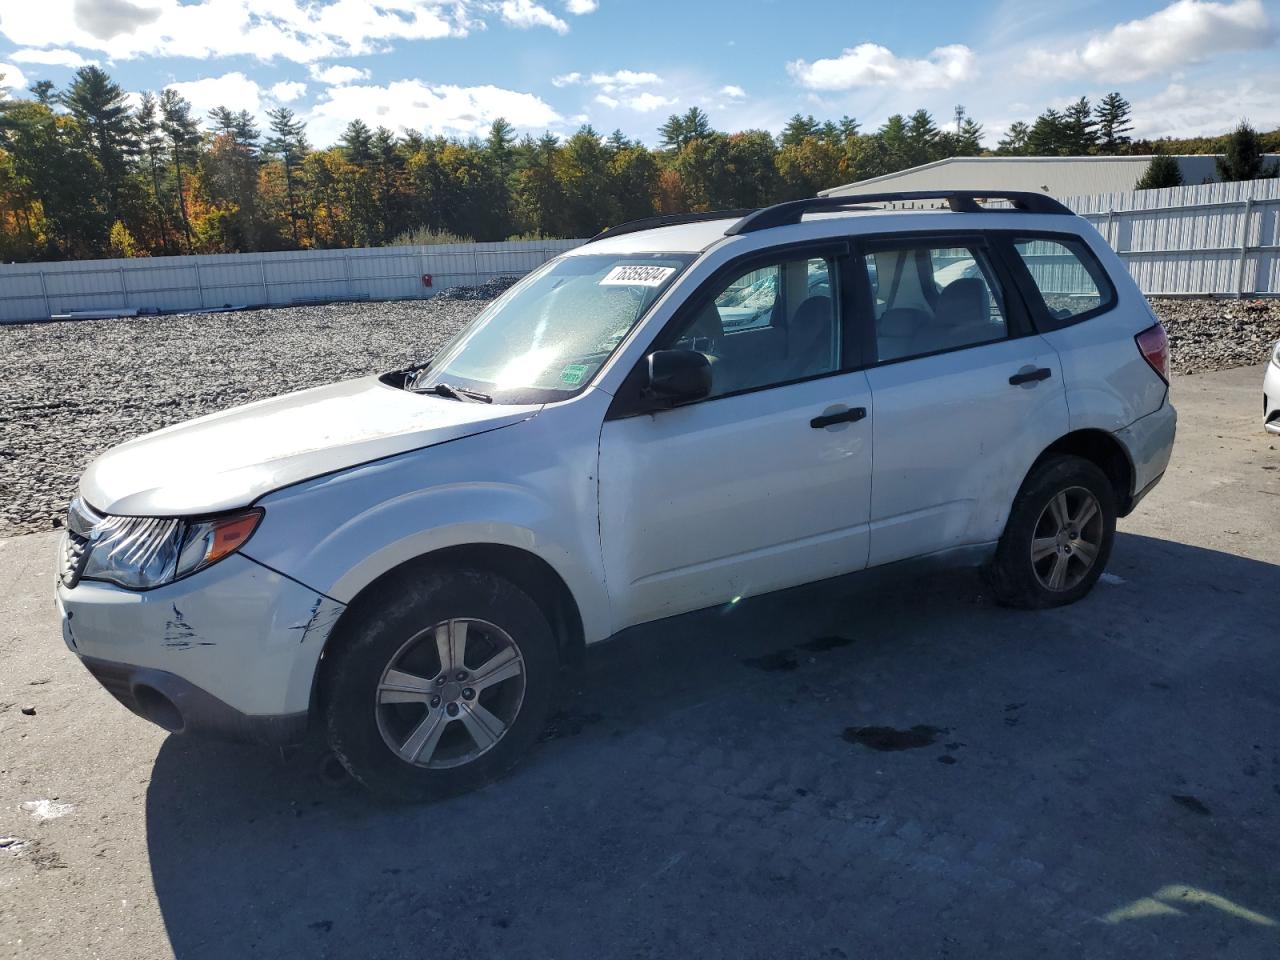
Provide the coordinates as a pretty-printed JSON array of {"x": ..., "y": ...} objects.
[
  {"x": 1031, "y": 376},
  {"x": 852, "y": 415}
]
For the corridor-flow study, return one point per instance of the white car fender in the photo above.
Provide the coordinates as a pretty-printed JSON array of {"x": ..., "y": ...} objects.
[{"x": 505, "y": 487}]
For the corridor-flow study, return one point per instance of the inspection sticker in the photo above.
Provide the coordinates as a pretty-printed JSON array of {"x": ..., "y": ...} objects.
[
  {"x": 573, "y": 373},
  {"x": 637, "y": 275}
]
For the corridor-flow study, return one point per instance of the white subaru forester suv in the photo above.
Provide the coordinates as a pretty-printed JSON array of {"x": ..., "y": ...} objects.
[{"x": 680, "y": 413}]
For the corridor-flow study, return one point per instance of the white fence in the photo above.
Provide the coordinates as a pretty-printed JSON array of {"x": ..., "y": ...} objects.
[
  {"x": 1215, "y": 239},
  {"x": 36, "y": 291}
]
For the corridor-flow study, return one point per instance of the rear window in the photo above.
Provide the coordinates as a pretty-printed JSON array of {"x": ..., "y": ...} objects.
[{"x": 1071, "y": 282}]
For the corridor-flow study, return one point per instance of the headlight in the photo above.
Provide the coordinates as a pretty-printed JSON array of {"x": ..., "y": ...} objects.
[{"x": 144, "y": 552}]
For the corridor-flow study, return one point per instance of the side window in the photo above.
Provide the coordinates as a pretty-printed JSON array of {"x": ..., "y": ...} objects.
[
  {"x": 932, "y": 298},
  {"x": 1068, "y": 276},
  {"x": 767, "y": 326}
]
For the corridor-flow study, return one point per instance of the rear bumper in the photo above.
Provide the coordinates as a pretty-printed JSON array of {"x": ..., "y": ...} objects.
[
  {"x": 1149, "y": 443},
  {"x": 179, "y": 706}
]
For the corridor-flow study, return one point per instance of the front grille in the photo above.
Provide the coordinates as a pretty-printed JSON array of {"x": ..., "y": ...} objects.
[{"x": 81, "y": 520}]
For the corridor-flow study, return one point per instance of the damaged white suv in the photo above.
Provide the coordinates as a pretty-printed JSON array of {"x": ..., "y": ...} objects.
[{"x": 678, "y": 414}]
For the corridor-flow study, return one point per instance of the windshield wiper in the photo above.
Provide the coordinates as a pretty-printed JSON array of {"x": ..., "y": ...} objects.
[{"x": 457, "y": 393}]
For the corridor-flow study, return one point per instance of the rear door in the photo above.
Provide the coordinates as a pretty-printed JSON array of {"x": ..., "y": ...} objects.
[{"x": 967, "y": 395}]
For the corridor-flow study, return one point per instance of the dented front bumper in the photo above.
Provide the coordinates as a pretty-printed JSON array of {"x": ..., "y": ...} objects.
[{"x": 237, "y": 636}]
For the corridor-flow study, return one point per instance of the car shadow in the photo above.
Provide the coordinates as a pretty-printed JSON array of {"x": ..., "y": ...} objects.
[{"x": 722, "y": 784}]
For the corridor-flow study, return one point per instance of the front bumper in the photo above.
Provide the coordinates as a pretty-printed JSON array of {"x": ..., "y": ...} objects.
[
  {"x": 233, "y": 649},
  {"x": 179, "y": 706},
  {"x": 1149, "y": 443},
  {"x": 1271, "y": 399}
]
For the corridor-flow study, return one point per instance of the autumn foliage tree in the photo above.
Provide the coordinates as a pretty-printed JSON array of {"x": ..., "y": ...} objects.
[{"x": 87, "y": 172}]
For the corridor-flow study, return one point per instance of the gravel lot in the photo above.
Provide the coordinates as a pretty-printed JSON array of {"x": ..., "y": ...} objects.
[{"x": 74, "y": 389}]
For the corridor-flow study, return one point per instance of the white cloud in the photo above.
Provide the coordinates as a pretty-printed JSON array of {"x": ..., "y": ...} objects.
[
  {"x": 871, "y": 65},
  {"x": 287, "y": 91},
  {"x": 298, "y": 30},
  {"x": 1187, "y": 31},
  {"x": 733, "y": 91},
  {"x": 232, "y": 90},
  {"x": 605, "y": 100},
  {"x": 579, "y": 7},
  {"x": 57, "y": 57},
  {"x": 525, "y": 14},
  {"x": 623, "y": 80},
  {"x": 337, "y": 75},
  {"x": 566, "y": 80},
  {"x": 434, "y": 109},
  {"x": 1205, "y": 110},
  {"x": 647, "y": 102},
  {"x": 11, "y": 78}
]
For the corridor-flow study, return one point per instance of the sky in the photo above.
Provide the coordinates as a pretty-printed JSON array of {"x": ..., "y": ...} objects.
[{"x": 451, "y": 67}]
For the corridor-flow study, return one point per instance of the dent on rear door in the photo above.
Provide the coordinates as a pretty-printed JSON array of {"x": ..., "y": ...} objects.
[{"x": 953, "y": 442}]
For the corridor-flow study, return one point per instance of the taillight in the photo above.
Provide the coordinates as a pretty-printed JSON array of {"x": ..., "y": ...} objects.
[{"x": 1153, "y": 343}]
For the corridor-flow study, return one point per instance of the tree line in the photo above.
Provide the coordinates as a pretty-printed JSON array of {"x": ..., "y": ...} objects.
[{"x": 83, "y": 173}]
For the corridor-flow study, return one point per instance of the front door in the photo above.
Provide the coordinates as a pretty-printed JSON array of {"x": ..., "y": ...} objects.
[{"x": 764, "y": 484}]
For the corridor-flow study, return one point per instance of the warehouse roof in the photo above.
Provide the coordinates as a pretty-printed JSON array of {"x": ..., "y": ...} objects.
[{"x": 1055, "y": 176}]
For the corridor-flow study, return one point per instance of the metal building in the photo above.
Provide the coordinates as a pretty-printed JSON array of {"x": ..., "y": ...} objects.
[{"x": 1055, "y": 176}]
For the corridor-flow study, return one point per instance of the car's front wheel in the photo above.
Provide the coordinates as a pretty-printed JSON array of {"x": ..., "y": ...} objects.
[
  {"x": 1059, "y": 535},
  {"x": 439, "y": 683}
]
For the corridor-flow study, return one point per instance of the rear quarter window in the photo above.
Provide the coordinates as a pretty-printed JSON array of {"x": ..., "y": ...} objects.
[{"x": 1072, "y": 284}]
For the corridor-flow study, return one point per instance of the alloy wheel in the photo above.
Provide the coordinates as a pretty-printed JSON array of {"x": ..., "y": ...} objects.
[
  {"x": 1066, "y": 539},
  {"x": 450, "y": 693}
]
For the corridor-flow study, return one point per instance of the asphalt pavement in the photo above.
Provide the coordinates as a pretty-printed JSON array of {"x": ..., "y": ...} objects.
[{"x": 865, "y": 768}]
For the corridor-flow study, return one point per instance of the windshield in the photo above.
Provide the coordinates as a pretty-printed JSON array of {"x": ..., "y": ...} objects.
[{"x": 545, "y": 338}]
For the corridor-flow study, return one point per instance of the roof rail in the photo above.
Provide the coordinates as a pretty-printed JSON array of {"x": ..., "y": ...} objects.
[
  {"x": 960, "y": 201},
  {"x": 670, "y": 220}
]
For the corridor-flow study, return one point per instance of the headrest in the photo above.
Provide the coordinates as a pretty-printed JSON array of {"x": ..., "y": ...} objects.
[
  {"x": 963, "y": 300},
  {"x": 814, "y": 310}
]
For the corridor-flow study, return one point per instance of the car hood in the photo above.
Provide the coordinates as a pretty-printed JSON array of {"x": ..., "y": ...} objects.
[{"x": 230, "y": 459}]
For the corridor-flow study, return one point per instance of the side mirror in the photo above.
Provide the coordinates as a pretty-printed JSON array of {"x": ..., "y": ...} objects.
[{"x": 678, "y": 376}]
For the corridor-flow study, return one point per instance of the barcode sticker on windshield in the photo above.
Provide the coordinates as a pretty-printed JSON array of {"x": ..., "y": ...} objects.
[{"x": 637, "y": 275}]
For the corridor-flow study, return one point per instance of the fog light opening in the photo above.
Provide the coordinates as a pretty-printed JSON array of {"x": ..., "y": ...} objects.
[{"x": 159, "y": 709}]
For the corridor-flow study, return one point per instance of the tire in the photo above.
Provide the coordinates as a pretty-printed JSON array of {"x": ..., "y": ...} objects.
[
  {"x": 1038, "y": 562},
  {"x": 411, "y": 731}
]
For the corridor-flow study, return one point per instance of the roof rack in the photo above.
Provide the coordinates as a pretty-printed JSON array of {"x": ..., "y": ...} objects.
[
  {"x": 670, "y": 220},
  {"x": 960, "y": 201}
]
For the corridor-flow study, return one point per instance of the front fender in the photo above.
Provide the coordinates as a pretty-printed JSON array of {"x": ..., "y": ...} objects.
[{"x": 517, "y": 486}]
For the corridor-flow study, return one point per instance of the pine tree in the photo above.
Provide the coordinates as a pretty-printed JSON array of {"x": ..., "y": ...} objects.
[
  {"x": 288, "y": 142},
  {"x": 1049, "y": 136},
  {"x": 1243, "y": 158},
  {"x": 182, "y": 134},
  {"x": 1079, "y": 128},
  {"x": 151, "y": 140},
  {"x": 1162, "y": 171},
  {"x": 357, "y": 142},
  {"x": 1113, "y": 124},
  {"x": 922, "y": 138},
  {"x": 100, "y": 106},
  {"x": 43, "y": 91},
  {"x": 896, "y": 153},
  {"x": 798, "y": 130},
  {"x": 1016, "y": 140},
  {"x": 682, "y": 128}
]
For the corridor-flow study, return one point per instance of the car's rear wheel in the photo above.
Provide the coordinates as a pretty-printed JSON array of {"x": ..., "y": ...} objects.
[
  {"x": 439, "y": 683},
  {"x": 1059, "y": 535}
]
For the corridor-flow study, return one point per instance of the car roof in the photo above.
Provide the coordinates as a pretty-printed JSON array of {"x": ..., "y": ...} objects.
[
  {"x": 698, "y": 232},
  {"x": 699, "y": 236}
]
